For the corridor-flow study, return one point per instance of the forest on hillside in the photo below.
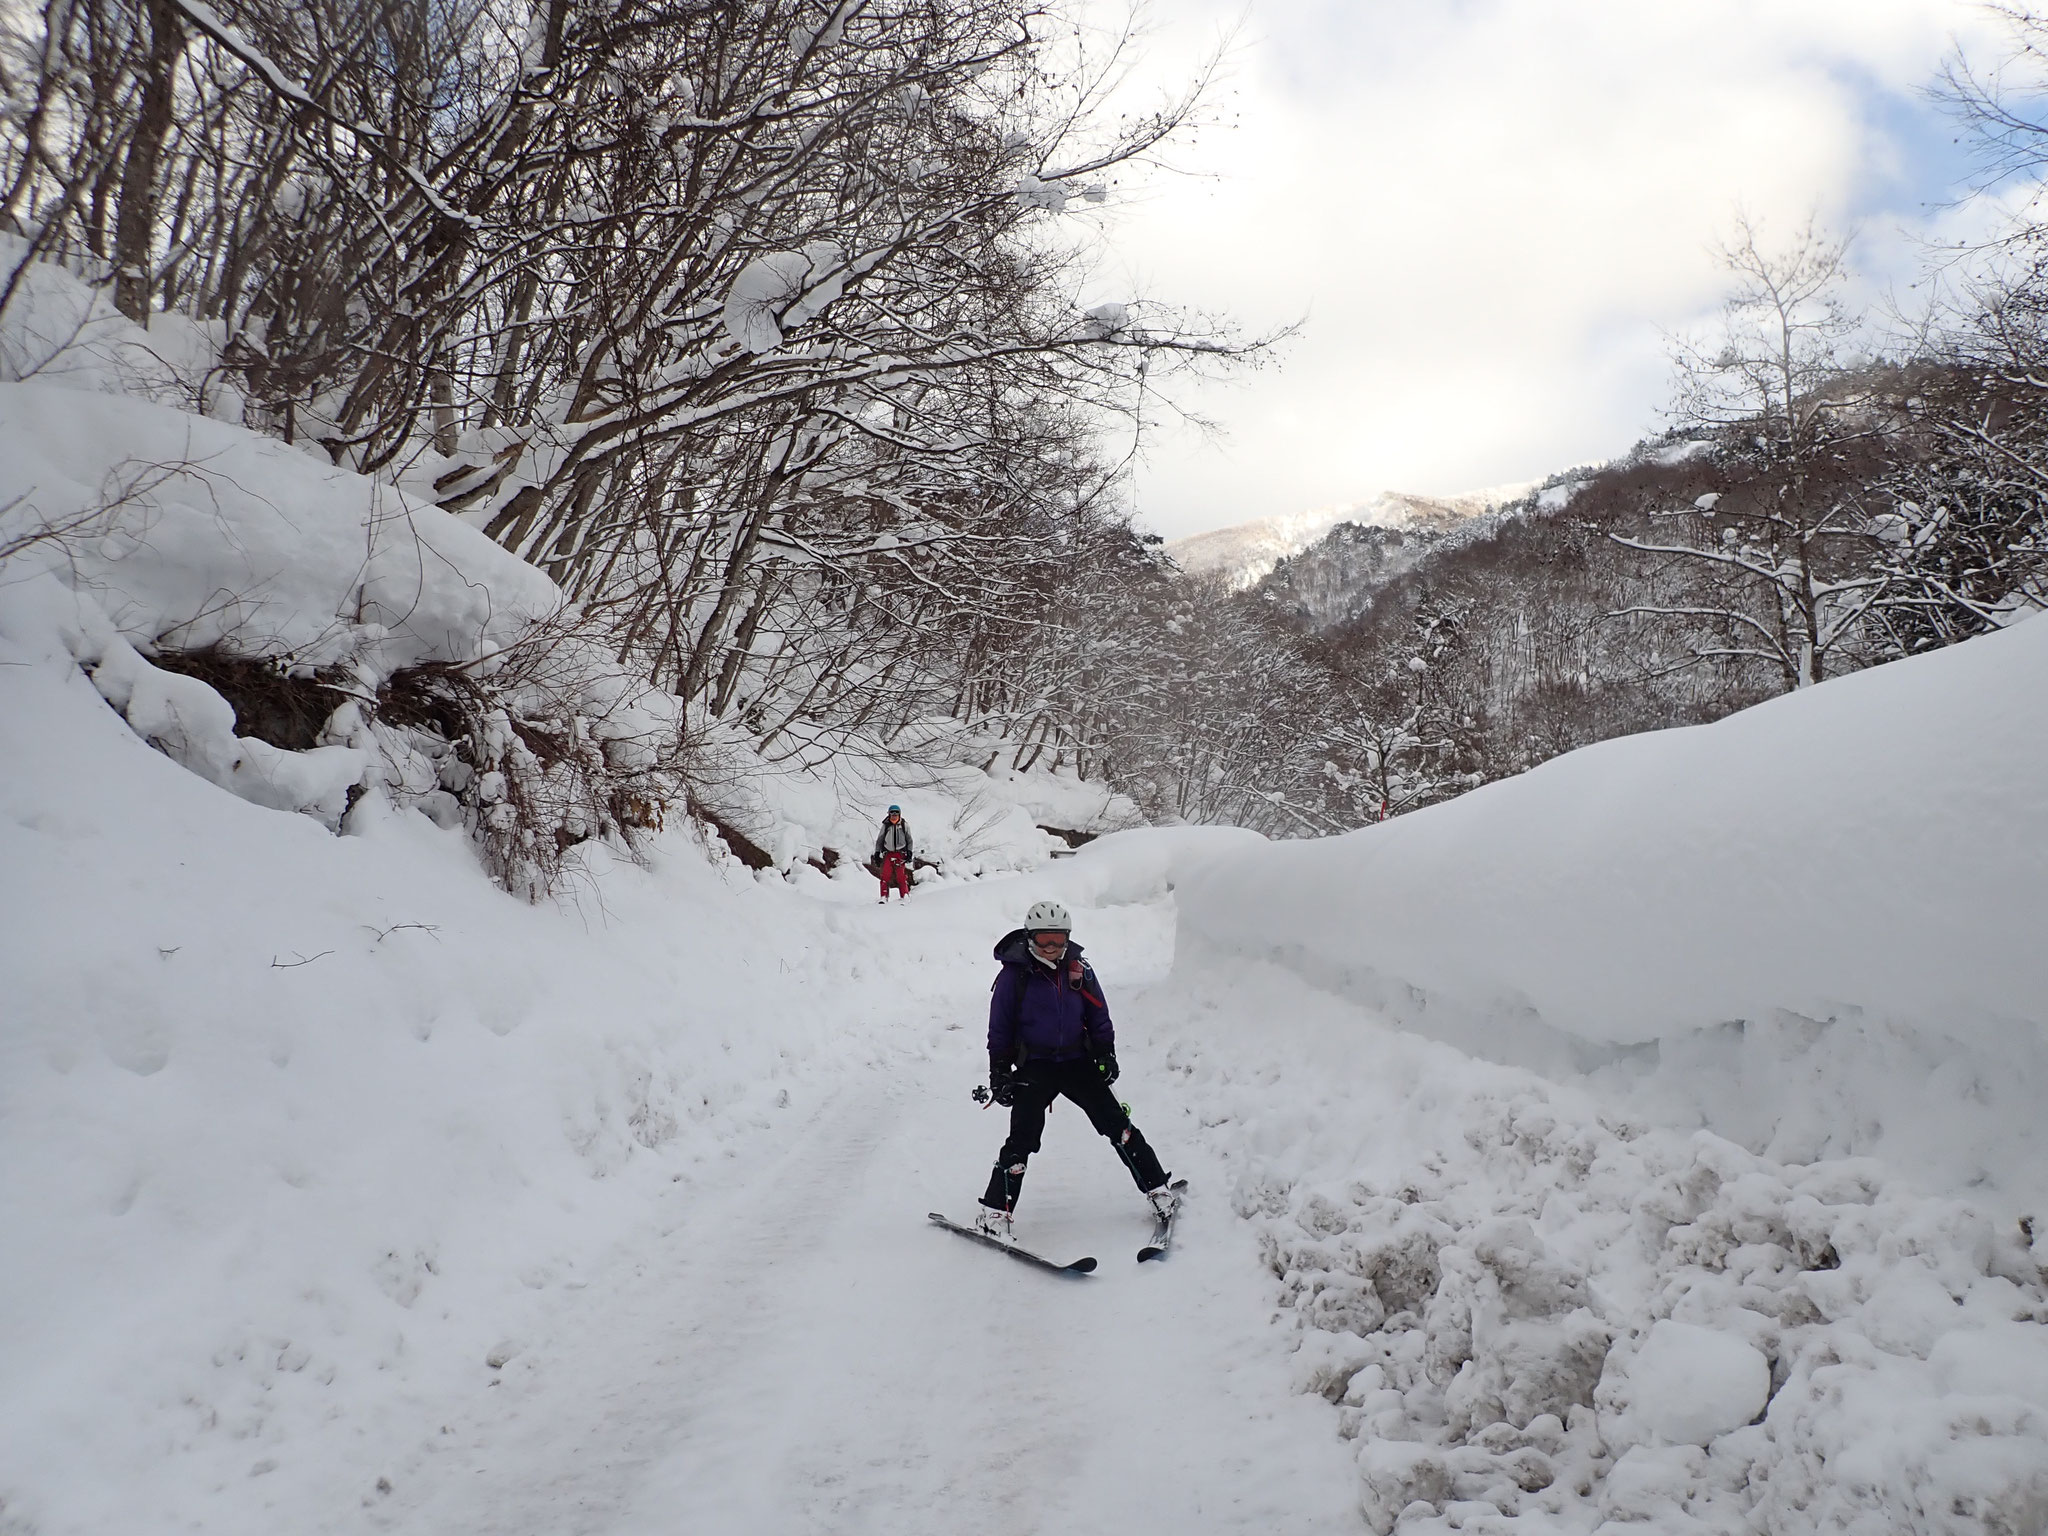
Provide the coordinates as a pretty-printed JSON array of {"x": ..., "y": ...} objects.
[
  {"x": 1827, "y": 498},
  {"x": 1816, "y": 507},
  {"x": 770, "y": 333}
]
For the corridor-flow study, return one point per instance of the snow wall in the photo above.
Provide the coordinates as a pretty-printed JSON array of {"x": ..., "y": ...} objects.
[{"x": 1816, "y": 927}]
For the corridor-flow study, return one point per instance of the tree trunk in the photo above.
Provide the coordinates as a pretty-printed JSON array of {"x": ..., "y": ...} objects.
[
  {"x": 135, "y": 231},
  {"x": 444, "y": 413},
  {"x": 742, "y": 645}
]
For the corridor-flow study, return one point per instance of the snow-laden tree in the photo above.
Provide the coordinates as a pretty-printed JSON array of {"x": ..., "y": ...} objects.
[
  {"x": 1963, "y": 544},
  {"x": 1784, "y": 551},
  {"x": 1965, "y": 538},
  {"x": 767, "y": 328}
]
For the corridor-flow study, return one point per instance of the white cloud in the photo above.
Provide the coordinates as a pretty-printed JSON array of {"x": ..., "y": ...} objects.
[{"x": 1485, "y": 212}]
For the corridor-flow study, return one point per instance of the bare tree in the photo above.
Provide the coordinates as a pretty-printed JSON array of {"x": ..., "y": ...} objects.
[
  {"x": 762, "y": 327},
  {"x": 1787, "y": 545}
]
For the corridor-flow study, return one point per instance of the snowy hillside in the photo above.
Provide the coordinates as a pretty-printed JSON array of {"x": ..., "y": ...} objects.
[
  {"x": 1247, "y": 551},
  {"x": 1335, "y": 577}
]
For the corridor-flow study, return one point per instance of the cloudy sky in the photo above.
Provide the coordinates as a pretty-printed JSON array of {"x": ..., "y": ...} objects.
[{"x": 1484, "y": 213}]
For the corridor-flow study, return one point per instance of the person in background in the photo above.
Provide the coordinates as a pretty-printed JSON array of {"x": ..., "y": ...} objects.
[{"x": 893, "y": 852}]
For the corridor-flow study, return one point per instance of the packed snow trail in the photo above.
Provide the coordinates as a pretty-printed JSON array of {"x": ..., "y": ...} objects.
[
  {"x": 797, "y": 1350},
  {"x": 349, "y": 1194}
]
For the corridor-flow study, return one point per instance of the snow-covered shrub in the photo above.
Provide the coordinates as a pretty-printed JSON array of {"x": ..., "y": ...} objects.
[
  {"x": 542, "y": 750},
  {"x": 271, "y": 701}
]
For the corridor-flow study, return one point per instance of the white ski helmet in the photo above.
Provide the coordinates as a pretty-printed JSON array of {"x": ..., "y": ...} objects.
[{"x": 1045, "y": 915}]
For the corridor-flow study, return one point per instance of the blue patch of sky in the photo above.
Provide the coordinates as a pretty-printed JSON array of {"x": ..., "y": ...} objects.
[{"x": 1921, "y": 157}]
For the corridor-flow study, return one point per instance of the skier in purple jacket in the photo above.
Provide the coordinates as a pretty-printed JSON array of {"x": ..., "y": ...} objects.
[{"x": 1049, "y": 1034}]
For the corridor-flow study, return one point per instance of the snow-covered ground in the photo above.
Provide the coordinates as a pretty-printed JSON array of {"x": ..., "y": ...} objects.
[
  {"x": 1537, "y": 1312},
  {"x": 347, "y": 1192},
  {"x": 1646, "y": 1144},
  {"x": 609, "y": 1216}
]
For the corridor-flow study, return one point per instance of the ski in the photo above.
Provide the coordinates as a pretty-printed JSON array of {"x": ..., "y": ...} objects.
[
  {"x": 1162, "y": 1226},
  {"x": 1078, "y": 1267}
]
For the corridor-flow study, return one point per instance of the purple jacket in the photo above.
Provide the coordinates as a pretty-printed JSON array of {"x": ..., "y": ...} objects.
[{"x": 1046, "y": 1013}]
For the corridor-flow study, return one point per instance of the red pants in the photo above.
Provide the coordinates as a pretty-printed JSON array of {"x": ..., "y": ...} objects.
[{"x": 896, "y": 874}]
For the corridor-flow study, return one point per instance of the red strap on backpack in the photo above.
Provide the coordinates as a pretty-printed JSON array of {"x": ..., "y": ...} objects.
[{"x": 1075, "y": 971}]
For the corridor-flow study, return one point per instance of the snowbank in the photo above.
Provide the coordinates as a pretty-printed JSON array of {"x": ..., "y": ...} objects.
[
  {"x": 1814, "y": 926},
  {"x": 136, "y": 527},
  {"x": 302, "y": 1132},
  {"x": 1533, "y": 1312},
  {"x": 212, "y": 533},
  {"x": 1142, "y": 864}
]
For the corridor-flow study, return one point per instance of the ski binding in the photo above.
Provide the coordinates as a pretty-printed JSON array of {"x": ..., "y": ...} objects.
[{"x": 1162, "y": 1226}]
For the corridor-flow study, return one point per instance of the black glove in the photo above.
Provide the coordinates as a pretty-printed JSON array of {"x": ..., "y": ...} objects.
[
  {"x": 1002, "y": 1081},
  {"x": 1106, "y": 1065}
]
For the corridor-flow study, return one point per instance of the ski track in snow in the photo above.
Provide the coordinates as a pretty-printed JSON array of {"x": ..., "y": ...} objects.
[
  {"x": 663, "y": 1159},
  {"x": 799, "y": 1350}
]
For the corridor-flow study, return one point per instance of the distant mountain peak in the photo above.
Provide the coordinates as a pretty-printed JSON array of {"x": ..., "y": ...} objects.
[{"x": 1247, "y": 552}]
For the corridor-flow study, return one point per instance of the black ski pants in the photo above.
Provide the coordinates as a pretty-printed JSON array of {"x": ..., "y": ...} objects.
[{"x": 1038, "y": 1084}]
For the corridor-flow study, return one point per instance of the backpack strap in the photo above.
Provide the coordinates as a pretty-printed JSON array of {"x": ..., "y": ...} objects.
[{"x": 1079, "y": 974}]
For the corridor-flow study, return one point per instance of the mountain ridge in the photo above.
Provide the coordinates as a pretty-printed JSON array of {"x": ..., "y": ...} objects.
[{"x": 1246, "y": 552}]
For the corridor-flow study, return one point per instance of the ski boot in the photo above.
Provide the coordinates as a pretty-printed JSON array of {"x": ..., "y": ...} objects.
[{"x": 991, "y": 1222}]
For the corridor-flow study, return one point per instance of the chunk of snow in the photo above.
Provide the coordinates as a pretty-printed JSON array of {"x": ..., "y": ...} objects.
[
  {"x": 755, "y": 302},
  {"x": 1031, "y": 192},
  {"x": 1106, "y": 320},
  {"x": 1686, "y": 1385},
  {"x": 780, "y": 291},
  {"x": 824, "y": 280},
  {"x": 1681, "y": 453}
]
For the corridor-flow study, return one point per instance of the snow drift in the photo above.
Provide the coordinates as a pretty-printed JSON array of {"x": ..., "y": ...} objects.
[
  {"x": 1814, "y": 926},
  {"x": 1801, "y": 934},
  {"x": 1532, "y": 1311}
]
